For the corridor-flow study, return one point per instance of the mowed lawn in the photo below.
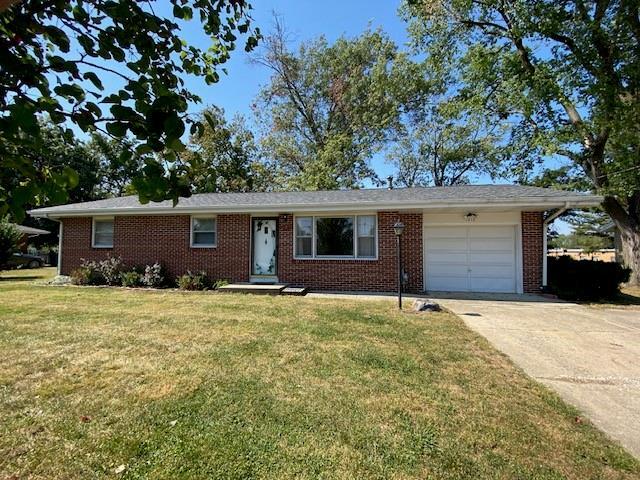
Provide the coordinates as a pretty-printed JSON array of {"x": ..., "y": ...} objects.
[{"x": 115, "y": 383}]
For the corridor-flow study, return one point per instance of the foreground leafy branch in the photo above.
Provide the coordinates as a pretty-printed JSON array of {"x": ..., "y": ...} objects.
[{"x": 59, "y": 55}]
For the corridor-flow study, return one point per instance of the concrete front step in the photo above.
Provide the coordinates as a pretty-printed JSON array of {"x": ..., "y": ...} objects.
[
  {"x": 257, "y": 288},
  {"x": 264, "y": 289},
  {"x": 295, "y": 291}
]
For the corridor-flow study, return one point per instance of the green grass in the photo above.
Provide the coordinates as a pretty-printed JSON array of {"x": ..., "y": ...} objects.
[{"x": 96, "y": 381}]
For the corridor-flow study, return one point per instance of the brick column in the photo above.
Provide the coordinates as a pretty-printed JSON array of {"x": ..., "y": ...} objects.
[{"x": 532, "y": 251}]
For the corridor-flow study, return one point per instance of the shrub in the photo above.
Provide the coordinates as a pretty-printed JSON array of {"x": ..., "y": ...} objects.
[
  {"x": 585, "y": 279},
  {"x": 219, "y": 283},
  {"x": 94, "y": 277},
  {"x": 9, "y": 238},
  {"x": 111, "y": 269},
  {"x": 104, "y": 272},
  {"x": 81, "y": 276},
  {"x": 153, "y": 276},
  {"x": 193, "y": 281},
  {"x": 131, "y": 279}
]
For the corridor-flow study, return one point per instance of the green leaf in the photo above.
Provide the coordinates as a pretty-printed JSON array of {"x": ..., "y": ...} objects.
[
  {"x": 122, "y": 112},
  {"x": 94, "y": 79},
  {"x": 71, "y": 177},
  {"x": 143, "y": 149},
  {"x": 86, "y": 43},
  {"x": 57, "y": 37},
  {"x": 117, "y": 53},
  {"x": 70, "y": 90},
  {"x": 118, "y": 130},
  {"x": 210, "y": 120},
  {"x": 57, "y": 63},
  {"x": 174, "y": 126},
  {"x": 176, "y": 145}
]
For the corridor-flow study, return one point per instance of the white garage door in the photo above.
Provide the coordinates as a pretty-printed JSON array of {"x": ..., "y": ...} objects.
[{"x": 470, "y": 259}]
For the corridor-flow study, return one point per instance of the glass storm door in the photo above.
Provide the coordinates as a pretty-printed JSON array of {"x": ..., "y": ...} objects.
[{"x": 265, "y": 246}]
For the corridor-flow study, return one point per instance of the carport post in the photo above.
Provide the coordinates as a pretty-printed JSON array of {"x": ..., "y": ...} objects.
[{"x": 545, "y": 228}]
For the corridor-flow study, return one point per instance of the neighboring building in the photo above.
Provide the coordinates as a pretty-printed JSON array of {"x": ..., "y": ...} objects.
[
  {"x": 603, "y": 255},
  {"x": 479, "y": 238},
  {"x": 27, "y": 233}
]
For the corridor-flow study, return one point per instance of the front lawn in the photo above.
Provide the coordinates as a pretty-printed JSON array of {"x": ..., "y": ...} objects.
[{"x": 114, "y": 383}]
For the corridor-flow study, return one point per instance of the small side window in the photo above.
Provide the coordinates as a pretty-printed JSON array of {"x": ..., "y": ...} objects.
[
  {"x": 366, "y": 236},
  {"x": 203, "y": 232},
  {"x": 304, "y": 236},
  {"x": 102, "y": 233}
]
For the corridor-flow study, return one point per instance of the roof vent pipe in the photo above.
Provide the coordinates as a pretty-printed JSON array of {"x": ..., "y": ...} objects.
[{"x": 390, "y": 182}]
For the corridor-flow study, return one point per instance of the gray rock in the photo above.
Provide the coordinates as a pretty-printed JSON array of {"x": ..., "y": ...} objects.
[
  {"x": 60, "y": 280},
  {"x": 425, "y": 305}
]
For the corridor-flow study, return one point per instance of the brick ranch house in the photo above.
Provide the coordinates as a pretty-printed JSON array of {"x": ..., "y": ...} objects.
[{"x": 473, "y": 238}]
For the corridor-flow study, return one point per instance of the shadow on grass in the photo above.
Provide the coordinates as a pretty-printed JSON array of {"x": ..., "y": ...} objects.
[
  {"x": 626, "y": 299},
  {"x": 20, "y": 278},
  {"x": 27, "y": 275}
]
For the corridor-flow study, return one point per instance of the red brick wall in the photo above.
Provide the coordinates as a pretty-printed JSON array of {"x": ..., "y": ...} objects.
[
  {"x": 532, "y": 251},
  {"x": 141, "y": 240},
  {"x": 357, "y": 275}
]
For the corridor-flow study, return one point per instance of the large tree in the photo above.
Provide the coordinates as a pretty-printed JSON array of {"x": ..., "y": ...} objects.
[
  {"x": 58, "y": 154},
  {"x": 444, "y": 146},
  {"x": 444, "y": 137},
  {"x": 55, "y": 57},
  {"x": 565, "y": 73},
  {"x": 225, "y": 157},
  {"x": 118, "y": 164},
  {"x": 327, "y": 108}
]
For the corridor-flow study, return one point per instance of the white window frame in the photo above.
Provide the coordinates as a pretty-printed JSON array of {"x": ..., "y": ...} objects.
[
  {"x": 374, "y": 236},
  {"x": 191, "y": 236},
  {"x": 93, "y": 231},
  {"x": 295, "y": 237},
  {"x": 315, "y": 256}
]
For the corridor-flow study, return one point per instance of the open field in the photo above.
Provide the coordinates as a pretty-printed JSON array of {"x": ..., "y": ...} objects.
[{"x": 117, "y": 383}]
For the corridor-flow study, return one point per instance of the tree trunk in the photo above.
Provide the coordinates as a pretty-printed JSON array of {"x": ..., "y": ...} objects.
[
  {"x": 6, "y": 4},
  {"x": 629, "y": 229},
  {"x": 630, "y": 246}
]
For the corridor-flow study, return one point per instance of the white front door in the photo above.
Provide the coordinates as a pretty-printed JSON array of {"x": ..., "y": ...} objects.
[
  {"x": 470, "y": 259},
  {"x": 265, "y": 246}
]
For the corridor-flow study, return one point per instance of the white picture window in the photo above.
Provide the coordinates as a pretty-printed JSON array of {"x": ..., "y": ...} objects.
[
  {"x": 344, "y": 236},
  {"x": 204, "y": 232},
  {"x": 334, "y": 237},
  {"x": 102, "y": 233}
]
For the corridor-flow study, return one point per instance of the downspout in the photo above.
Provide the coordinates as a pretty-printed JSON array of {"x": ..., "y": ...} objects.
[
  {"x": 545, "y": 226},
  {"x": 60, "y": 230}
]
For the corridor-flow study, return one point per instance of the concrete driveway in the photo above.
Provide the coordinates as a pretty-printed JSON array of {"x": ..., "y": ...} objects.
[{"x": 590, "y": 356}]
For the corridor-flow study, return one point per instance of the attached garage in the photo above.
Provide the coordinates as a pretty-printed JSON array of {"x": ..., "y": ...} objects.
[{"x": 472, "y": 258}]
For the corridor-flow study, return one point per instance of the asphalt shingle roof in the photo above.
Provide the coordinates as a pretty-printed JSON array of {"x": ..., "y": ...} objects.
[{"x": 356, "y": 198}]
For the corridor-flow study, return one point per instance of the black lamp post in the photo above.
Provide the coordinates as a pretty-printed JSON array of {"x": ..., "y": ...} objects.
[{"x": 398, "y": 228}]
